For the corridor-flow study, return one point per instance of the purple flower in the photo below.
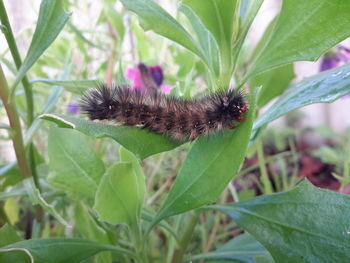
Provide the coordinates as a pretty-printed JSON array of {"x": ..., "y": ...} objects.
[
  {"x": 335, "y": 57},
  {"x": 134, "y": 75},
  {"x": 73, "y": 108}
]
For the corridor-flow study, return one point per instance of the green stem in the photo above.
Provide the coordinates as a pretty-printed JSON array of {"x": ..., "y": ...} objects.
[
  {"x": 12, "y": 115},
  {"x": 264, "y": 176},
  {"x": 17, "y": 59},
  {"x": 185, "y": 239},
  {"x": 26, "y": 85}
]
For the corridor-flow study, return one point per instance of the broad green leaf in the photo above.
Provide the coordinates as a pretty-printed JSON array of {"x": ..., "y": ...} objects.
[
  {"x": 51, "y": 21},
  {"x": 205, "y": 38},
  {"x": 155, "y": 18},
  {"x": 241, "y": 249},
  {"x": 117, "y": 197},
  {"x": 273, "y": 83},
  {"x": 209, "y": 166},
  {"x": 139, "y": 141},
  {"x": 8, "y": 235},
  {"x": 304, "y": 31},
  {"x": 306, "y": 224},
  {"x": 37, "y": 199},
  {"x": 75, "y": 86},
  {"x": 322, "y": 88},
  {"x": 54, "y": 250},
  {"x": 128, "y": 157},
  {"x": 76, "y": 167}
]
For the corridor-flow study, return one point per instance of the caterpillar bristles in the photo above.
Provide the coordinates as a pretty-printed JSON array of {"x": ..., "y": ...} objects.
[{"x": 180, "y": 119}]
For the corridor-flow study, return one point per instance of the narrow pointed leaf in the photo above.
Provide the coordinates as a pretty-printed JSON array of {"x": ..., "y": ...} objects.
[
  {"x": 304, "y": 31},
  {"x": 51, "y": 21},
  {"x": 155, "y": 18},
  {"x": 323, "y": 88}
]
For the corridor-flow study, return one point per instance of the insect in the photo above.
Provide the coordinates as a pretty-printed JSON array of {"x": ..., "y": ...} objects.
[{"x": 178, "y": 118}]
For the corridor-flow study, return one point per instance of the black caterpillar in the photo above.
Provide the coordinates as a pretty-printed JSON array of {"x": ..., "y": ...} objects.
[{"x": 177, "y": 118}]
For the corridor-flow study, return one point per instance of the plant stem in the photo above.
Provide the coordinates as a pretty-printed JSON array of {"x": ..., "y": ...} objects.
[
  {"x": 17, "y": 59},
  {"x": 12, "y": 115},
  {"x": 185, "y": 239},
  {"x": 26, "y": 85}
]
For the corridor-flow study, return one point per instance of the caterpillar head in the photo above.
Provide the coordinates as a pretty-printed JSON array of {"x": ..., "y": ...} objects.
[{"x": 98, "y": 103}]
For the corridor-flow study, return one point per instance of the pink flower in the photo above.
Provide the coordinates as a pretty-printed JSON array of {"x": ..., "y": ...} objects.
[{"x": 134, "y": 75}]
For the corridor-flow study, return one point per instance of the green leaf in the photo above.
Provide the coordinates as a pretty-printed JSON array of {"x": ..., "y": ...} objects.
[
  {"x": 76, "y": 167},
  {"x": 306, "y": 224},
  {"x": 209, "y": 166},
  {"x": 325, "y": 87},
  {"x": 139, "y": 141},
  {"x": 273, "y": 83},
  {"x": 8, "y": 235},
  {"x": 117, "y": 197},
  {"x": 304, "y": 31},
  {"x": 36, "y": 198},
  {"x": 75, "y": 86},
  {"x": 128, "y": 157},
  {"x": 155, "y": 18},
  {"x": 241, "y": 249},
  {"x": 52, "y": 19},
  {"x": 218, "y": 17},
  {"x": 87, "y": 226},
  {"x": 205, "y": 38},
  {"x": 55, "y": 250}
]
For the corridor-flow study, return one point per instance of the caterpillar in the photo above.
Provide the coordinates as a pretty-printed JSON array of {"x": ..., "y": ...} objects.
[{"x": 178, "y": 118}]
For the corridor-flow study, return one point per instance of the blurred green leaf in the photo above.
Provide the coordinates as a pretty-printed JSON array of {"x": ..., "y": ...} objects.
[
  {"x": 273, "y": 83},
  {"x": 304, "y": 31},
  {"x": 325, "y": 87},
  {"x": 241, "y": 249},
  {"x": 139, "y": 141},
  {"x": 155, "y": 18},
  {"x": 117, "y": 197},
  {"x": 8, "y": 235},
  {"x": 87, "y": 226},
  {"x": 80, "y": 35},
  {"x": 76, "y": 167},
  {"x": 37, "y": 199},
  {"x": 75, "y": 86},
  {"x": 115, "y": 18},
  {"x": 89, "y": 229},
  {"x": 209, "y": 166},
  {"x": 54, "y": 250},
  {"x": 306, "y": 224},
  {"x": 129, "y": 157},
  {"x": 52, "y": 19}
]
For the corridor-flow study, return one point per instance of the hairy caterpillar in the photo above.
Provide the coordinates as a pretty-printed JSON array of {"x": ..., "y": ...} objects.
[{"x": 177, "y": 118}]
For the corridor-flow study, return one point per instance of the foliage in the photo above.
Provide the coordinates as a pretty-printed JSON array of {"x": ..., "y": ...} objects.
[{"x": 96, "y": 192}]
